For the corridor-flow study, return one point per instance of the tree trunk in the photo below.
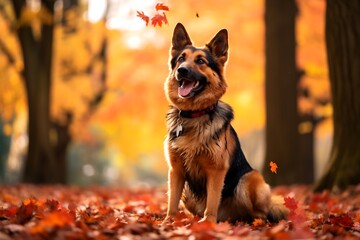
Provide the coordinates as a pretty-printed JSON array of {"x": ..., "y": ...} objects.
[
  {"x": 4, "y": 151},
  {"x": 40, "y": 165},
  {"x": 343, "y": 53},
  {"x": 285, "y": 145}
]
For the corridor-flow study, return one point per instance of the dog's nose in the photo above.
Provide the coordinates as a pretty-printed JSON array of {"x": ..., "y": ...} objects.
[{"x": 183, "y": 71}]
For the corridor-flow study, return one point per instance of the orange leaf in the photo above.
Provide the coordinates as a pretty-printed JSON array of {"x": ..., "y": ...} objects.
[
  {"x": 257, "y": 222},
  {"x": 161, "y": 6},
  {"x": 143, "y": 17},
  {"x": 273, "y": 167},
  {"x": 52, "y": 220},
  {"x": 159, "y": 19},
  {"x": 202, "y": 226}
]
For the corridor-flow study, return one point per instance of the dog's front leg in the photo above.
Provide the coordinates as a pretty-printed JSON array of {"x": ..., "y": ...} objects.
[
  {"x": 214, "y": 185},
  {"x": 175, "y": 188}
]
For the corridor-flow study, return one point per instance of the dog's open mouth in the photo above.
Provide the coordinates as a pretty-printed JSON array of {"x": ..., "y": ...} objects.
[{"x": 188, "y": 88}]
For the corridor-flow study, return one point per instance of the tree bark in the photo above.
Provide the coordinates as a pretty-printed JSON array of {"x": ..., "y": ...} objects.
[
  {"x": 40, "y": 165},
  {"x": 4, "y": 151},
  {"x": 285, "y": 145},
  {"x": 343, "y": 53}
]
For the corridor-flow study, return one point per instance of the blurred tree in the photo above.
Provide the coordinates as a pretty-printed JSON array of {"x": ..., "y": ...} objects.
[
  {"x": 48, "y": 138},
  {"x": 343, "y": 53},
  {"x": 41, "y": 165},
  {"x": 4, "y": 150},
  {"x": 289, "y": 135}
]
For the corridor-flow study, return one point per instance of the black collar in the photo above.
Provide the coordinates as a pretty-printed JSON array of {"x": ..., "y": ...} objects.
[{"x": 197, "y": 113}]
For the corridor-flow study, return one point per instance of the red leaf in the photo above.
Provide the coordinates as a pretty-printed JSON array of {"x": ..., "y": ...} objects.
[
  {"x": 8, "y": 213},
  {"x": 343, "y": 220},
  {"x": 143, "y": 17},
  {"x": 290, "y": 203},
  {"x": 52, "y": 204},
  {"x": 26, "y": 210},
  {"x": 159, "y": 19},
  {"x": 273, "y": 167},
  {"x": 161, "y": 6}
]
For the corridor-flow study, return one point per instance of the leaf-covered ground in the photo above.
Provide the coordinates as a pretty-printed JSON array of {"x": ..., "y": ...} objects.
[{"x": 61, "y": 212}]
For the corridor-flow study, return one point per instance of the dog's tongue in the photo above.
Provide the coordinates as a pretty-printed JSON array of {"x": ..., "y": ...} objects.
[{"x": 185, "y": 88}]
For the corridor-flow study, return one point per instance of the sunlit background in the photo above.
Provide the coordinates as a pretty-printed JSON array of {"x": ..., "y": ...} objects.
[{"x": 120, "y": 142}]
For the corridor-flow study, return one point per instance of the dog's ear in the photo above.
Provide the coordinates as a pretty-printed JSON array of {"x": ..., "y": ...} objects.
[
  {"x": 180, "y": 39},
  {"x": 219, "y": 46}
]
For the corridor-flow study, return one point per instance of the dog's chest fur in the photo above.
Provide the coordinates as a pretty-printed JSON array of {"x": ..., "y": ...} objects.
[{"x": 201, "y": 138}]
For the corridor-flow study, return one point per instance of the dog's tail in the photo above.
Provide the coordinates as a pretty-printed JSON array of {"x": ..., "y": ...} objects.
[{"x": 277, "y": 211}]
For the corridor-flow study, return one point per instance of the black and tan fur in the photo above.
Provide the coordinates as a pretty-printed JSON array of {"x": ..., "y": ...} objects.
[{"x": 207, "y": 168}]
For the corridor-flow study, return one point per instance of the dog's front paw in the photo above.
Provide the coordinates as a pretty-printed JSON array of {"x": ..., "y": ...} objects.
[
  {"x": 168, "y": 220},
  {"x": 209, "y": 218}
]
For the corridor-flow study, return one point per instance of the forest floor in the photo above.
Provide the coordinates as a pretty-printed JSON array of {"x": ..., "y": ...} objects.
[{"x": 65, "y": 212}]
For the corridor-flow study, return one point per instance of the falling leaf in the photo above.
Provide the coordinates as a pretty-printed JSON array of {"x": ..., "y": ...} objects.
[
  {"x": 159, "y": 19},
  {"x": 161, "y": 6},
  {"x": 143, "y": 17},
  {"x": 273, "y": 167}
]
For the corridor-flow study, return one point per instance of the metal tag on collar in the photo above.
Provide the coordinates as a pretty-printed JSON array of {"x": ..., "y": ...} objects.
[{"x": 178, "y": 130}]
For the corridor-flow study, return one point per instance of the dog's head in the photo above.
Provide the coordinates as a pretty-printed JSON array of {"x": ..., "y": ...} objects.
[{"x": 196, "y": 78}]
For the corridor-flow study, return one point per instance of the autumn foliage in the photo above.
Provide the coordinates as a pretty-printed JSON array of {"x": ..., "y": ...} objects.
[
  {"x": 158, "y": 18},
  {"x": 58, "y": 212}
]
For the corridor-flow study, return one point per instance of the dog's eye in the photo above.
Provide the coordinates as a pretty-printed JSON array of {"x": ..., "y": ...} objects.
[
  {"x": 200, "y": 61},
  {"x": 181, "y": 59}
]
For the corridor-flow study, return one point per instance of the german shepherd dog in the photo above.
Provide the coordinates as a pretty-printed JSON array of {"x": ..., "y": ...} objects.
[{"x": 207, "y": 168}]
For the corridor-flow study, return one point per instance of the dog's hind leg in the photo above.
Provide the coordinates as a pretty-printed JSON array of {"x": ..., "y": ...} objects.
[{"x": 254, "y": 195}]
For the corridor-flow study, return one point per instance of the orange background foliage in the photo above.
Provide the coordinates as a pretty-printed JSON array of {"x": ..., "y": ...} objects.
[{"x": 129, "y": 123}]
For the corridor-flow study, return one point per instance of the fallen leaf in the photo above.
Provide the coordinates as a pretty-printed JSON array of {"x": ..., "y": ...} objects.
[
  {"x": 342, "y": 220},
  {"x": 26, "y": 211},
  {"x": 53, "y": 220},
  {"x": 357, "y": 217},
  {"x": 99, "y": 213},
  {"x": 257, "y": 222},
  {"x": 223, "y": 227},
  {"x": 8, "y": 213},
  {"x": 202, "y": 226},
  {"x": 290, "y": 203}
]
